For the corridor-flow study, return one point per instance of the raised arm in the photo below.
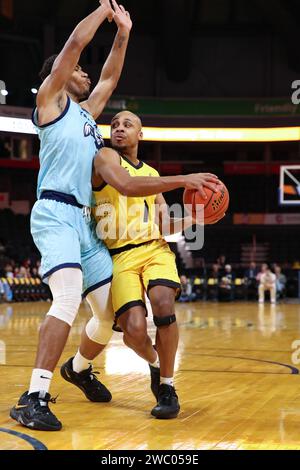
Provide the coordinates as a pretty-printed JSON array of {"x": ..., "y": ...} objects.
[
  {"x": 113, "y": 66},
  {"x": 107, "y": 169},
  {"x": 66, "y": 61}
]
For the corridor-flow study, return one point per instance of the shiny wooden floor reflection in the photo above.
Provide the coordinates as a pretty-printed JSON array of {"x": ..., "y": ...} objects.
[{"x": 236, "y": 380}]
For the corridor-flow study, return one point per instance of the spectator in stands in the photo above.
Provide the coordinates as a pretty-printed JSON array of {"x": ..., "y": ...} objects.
[
  {"x": 251, "y": 272},
  {"x": 267, "y": 281},
  {"x": 280, "y": 282},
  {"x": 262, "y": 271},
  {"x": 250, "y": 279},
  {"x": 5, "y": 148},
  {"x": 5, "y": 291},
  {"x": 9, "y": 271},
  {"x": 17, "y": 272},
  {"x": 213, "y": 289},
  {"x": 27, "y": 263},
  {"x": 186, "y": 290},
  {"x": 215, "y": 271},
  {"x": 24, "y": 272},
  {"x": 221, "y": 261},
  {"x": 227, "y": 284},
  {"x": 34, "y": 273}
]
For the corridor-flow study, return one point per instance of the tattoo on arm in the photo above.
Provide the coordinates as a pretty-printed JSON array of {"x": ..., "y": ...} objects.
[{"x": 121, "y": 41}]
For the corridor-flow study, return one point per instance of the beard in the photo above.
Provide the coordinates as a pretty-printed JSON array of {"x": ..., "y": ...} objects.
[
  {"x": 81, "y": 93},
  {"x": 84, "y": 95},
  {"x": 118, "y": 146}
]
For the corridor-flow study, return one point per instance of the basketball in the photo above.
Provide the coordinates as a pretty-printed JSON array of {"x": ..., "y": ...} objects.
[{"x": 215, "y": 206}]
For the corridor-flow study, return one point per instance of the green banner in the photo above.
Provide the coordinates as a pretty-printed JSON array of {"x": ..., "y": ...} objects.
[{"x": 213, "y": 107}]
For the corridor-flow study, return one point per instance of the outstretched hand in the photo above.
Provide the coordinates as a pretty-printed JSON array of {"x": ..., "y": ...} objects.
[
  {"x": 121, "y": 16},
  {"x": 110, "y": 11}
]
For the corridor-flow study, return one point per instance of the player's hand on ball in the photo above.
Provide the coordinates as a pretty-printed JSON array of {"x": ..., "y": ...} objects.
[{"x": 200, "y": 180}]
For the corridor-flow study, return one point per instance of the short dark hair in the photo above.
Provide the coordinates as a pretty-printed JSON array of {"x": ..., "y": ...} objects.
[{"x": 47, "y": 67}]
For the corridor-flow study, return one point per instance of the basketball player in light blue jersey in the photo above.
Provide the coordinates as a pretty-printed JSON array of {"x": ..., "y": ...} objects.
[{"x": 73, "y": 259}]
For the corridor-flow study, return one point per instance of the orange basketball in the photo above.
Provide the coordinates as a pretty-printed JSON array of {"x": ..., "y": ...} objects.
[{"x": 215, "y": 206}]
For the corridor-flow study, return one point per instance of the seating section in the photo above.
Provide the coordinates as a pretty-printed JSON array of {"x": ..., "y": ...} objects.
[
  {"x": 25, "y": 289},
  {"x": 279, "y": 243},
  {"x": 206, "y": 287},
  {"x": 239, "y": 244}
]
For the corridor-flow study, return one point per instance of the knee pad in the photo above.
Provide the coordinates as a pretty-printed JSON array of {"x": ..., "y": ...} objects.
[
  {"x": 65, "y": 285},
  {"x": 99, "y": 330},
  {"x": 164, "y": 321},
  {"x": 65, "y": 305}
]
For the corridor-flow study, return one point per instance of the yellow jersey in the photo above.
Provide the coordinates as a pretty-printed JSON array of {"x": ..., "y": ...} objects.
[{"x": 125, "y": 222}]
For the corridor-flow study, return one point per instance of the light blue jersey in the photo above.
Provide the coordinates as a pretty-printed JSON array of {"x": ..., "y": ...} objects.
[
  {"x": 65, "y": 237},
  {"x": 68, "y": 146}
]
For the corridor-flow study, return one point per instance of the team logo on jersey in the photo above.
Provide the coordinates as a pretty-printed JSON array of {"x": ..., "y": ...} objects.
[{"x": 93, "y": 131}]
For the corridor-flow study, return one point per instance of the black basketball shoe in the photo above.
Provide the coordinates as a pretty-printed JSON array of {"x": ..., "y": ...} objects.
[
  {"x": 87, "y": 381},
  {"x": 155, "y": 380},
  {"x": 167, "y": 404},
  {"x": 33, "y": 412}
]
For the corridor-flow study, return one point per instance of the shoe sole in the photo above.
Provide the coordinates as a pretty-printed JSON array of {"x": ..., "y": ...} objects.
[
  {"x": 67, "y": 378},
  {"x": 37, "y": 425}
]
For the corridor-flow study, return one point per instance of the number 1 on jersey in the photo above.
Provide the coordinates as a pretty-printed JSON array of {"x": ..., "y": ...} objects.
[{"x": 146, "y": 212}]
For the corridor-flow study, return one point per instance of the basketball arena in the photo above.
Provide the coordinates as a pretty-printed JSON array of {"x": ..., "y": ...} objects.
[{"x": 149, "y": 225}]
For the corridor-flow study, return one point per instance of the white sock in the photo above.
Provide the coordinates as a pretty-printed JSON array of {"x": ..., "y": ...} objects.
[
  {"x": 155, "y": 363},
  {"x": 80, "y": 363},
  {"x": 40, "y": 380},
  {"x": 167, "y": 381}
]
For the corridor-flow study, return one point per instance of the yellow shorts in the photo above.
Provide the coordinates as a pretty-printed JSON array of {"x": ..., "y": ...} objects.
[{"x": 137, "y": 270}]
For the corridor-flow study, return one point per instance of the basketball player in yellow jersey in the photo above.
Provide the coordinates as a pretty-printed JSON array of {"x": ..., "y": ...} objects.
[{"x": 142, "y": 260}]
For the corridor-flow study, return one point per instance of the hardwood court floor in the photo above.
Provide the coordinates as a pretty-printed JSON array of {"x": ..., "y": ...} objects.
[{"x": 237, "y": 384}]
